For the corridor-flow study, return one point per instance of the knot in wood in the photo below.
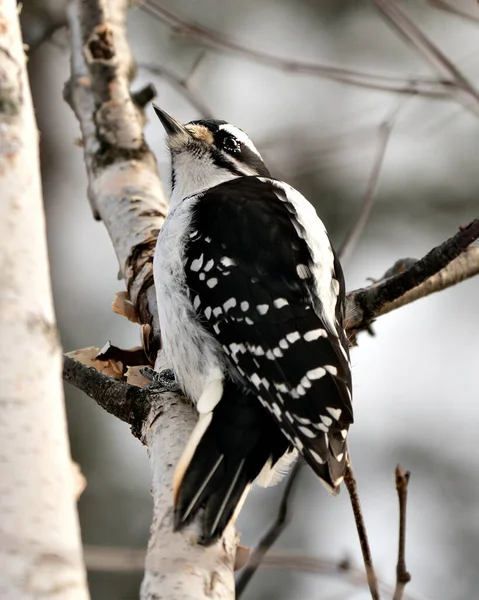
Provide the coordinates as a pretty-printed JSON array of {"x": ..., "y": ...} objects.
[{"x": 100, "y": 44}]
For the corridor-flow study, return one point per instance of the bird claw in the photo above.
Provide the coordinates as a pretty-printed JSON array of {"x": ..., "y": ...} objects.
[{"x": 163, "y": 381}]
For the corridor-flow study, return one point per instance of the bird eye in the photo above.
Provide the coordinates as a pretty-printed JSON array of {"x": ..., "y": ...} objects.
[{"x": 227, "y": 142}]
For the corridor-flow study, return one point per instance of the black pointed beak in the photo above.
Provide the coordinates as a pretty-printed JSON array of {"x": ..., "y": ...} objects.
[{"x": 171, "y": 125}]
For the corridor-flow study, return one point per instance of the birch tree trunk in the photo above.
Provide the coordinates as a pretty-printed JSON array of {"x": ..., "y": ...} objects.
[{"x": 40, "y": 547}]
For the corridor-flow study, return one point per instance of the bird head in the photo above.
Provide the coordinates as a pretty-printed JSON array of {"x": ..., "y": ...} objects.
[{"x": 207, "y": 152}]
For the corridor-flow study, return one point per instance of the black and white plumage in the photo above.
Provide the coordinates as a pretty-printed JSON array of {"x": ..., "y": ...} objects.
[{"x": 251, "y": 305}]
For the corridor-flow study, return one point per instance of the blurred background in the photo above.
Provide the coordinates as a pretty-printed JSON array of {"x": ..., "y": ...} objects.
[{"x": 416, "y": 398}]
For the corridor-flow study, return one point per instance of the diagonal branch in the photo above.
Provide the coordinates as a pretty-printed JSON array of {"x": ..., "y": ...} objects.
[
  {"x": 217, "y": 41},
  {"x": 126, "y": 402},
  {"x": 447, "y": 6},
  {"x": 272, "y": 534},
  {"x": 366, "y": 304},
  {"x": 434, "y": 55},
  {"x": 350, "y": 482}
]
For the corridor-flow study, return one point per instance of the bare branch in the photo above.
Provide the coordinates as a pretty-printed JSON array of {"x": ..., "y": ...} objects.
[
  {"x": 183, "y": 86},
  {"x": 402, "y": 575},
  {"x": 453, "y": 10},
  {"x": 126, "y": 402},
  {"x": 214, "y": 40},
  {"x": 350, "y": 482},
  {"x": 436, "y": 58},
  {"x": 352, "y": 237},
  {"x": 272, "y": 534},
  {"x": 442, "y": 267}
]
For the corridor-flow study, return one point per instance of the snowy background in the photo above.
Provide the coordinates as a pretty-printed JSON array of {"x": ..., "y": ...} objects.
[{"x": 416, "y": 398}]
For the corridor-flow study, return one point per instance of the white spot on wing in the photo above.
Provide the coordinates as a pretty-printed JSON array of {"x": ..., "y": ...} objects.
[
  {"x": 316, "y": 373},
  {"x": 244, "y": 306},
  {"x": 208, "y": 312},
  {"x": 316, "y": 457},
  {"x": 293, "y": 337},
  {"x": 262, "y": 309},
  {"x": 209, "y": 265},
  {"x": 334, "y": 412},
  {"x": 226, "y": 261},
  {"x": 196, "y": 302},
  {"x": 277, "y": 411},
  {"x": 331, "y": 369},
  {"x": 280, "y": 302},
  {"x": 231, "y": 303},
  {"x": 212, "y": 282},
  {"x": 314, "y": 334},
  {"x": 326, "y": 420},
  {"x": 303, "y": 271},
  {"x": 255, "y": 379},
  {"x": 307, "y": 431},
  {"x": 196, "y": 264}
]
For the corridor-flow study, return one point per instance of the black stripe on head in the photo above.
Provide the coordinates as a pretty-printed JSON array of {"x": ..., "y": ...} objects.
[{"x": 228, "y": 144}]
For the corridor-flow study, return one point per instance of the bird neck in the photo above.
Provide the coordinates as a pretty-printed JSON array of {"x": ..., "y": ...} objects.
[{"x": 193, "y": 174}]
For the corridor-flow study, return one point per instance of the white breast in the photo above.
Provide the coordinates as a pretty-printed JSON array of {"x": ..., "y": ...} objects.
[{"x": 191, "y": 351}]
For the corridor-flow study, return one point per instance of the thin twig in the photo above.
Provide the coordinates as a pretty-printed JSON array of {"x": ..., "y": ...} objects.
[
  {"x": 436, "y": 58},
  {"x": 453, "y": 10},
  {"x": 353, "y": 235},
  {"x": 368, "y": 303},
  {"x": 181, "y": 85},
  {"x": 402, "y": 575},
  {"x": 351, "y": 486},
  {"x": 432, "y": 88},
  {"x": 269, "y": 538}
]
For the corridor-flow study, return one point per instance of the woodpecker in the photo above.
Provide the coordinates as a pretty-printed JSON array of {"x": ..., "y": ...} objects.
[{"x": 251, "y": 303}]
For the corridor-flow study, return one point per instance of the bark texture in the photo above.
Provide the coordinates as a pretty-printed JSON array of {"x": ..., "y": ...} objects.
[
  {"x": 40, "y": 546},
  {"x": 126, "y": 194}
]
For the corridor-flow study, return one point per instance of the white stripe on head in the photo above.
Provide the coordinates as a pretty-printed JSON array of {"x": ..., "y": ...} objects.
[{"x": 240, "y": 136}]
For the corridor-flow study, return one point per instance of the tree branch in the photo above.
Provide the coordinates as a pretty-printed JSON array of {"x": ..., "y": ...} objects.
[
  {"x": 126, "y": 402},
  {"x": 445, "y": 265},
  {"x": 126, "y": 194},
  {"x": 350, "y": 482},
  {"x": 402, "y": 575},
  {"x": 272, "y": 534},
  {"x": 409, "y": 31},
  {"x": 124, "y": 189},
  {"x": 217, "y": 41}
]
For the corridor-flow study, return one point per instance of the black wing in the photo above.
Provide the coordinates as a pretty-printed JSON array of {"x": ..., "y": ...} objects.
[{"x": 241, "y": 264}]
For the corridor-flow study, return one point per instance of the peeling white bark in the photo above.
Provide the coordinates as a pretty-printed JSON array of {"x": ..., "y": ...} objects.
[
  {"x": 126, "y": 193},
  {"x": 176, "y": 567},
  {"x": 40, "y": 547}
]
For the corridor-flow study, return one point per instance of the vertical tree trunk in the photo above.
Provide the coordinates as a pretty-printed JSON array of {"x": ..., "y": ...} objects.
[{"x": 40, "y": 548}]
